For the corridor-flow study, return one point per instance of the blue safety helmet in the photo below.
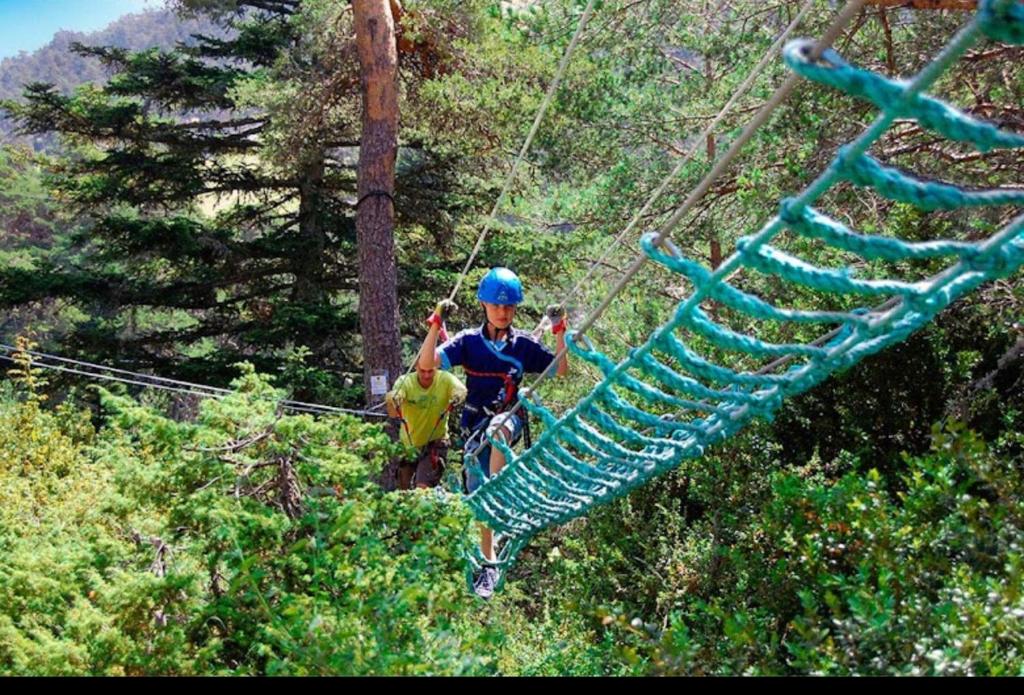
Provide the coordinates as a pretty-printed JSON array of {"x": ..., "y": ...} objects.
[{"x": 500, "y": 286}]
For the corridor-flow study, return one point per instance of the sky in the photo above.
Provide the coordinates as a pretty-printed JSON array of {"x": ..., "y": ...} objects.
[{"x": 26, "y": 25}]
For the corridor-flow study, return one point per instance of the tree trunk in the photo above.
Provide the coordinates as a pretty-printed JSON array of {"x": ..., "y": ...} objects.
[
  {"x": 716, "y": 238},
  {"x": 375, "y": 219},
  {"x": 309, "y": 261}
]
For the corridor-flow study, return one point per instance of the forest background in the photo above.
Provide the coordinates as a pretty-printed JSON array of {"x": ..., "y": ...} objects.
[{"x": 178, "y": 196}]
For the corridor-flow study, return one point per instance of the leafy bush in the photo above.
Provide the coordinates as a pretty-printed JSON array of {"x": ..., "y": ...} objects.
[{"x": 246, "y": 542}]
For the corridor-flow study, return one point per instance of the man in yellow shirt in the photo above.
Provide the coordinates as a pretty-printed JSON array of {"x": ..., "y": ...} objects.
[{"x": 422, "y": 402}]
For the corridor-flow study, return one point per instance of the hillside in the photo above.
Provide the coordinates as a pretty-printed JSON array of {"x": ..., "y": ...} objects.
[{"x": 55, "y": 62}]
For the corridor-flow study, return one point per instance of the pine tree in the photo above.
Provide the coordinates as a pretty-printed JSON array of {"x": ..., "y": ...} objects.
[{"x": 219, "y": 184}]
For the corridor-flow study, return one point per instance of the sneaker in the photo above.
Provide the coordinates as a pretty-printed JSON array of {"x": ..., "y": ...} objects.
[{"x": 487, "y": 581}]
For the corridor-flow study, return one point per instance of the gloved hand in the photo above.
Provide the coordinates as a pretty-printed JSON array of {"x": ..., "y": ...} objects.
[
  {"x": 444, "y": 307},
  {"x": 557, "y": 315},
  {"x": 395, "y": 400}
]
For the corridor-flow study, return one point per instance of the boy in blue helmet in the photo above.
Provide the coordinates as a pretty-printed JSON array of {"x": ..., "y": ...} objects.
[{"x": 495, "y": 357}]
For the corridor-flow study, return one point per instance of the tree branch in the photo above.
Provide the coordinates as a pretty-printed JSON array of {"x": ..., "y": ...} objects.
[{"x": 926, "y": 4}]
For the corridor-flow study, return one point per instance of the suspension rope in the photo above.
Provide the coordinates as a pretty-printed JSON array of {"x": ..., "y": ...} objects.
[
  {"x": 762, "y": 117},
  {"x": 510, "y": 179},
  {"x": 107, "y": 377},
  {"x": 162, "y": 383},
  {"x": 694, "y": 145},
  {"x": 605, "y": 446},
  {"x": 93, "y": 365},
  {"x": 764, "y": 113}
]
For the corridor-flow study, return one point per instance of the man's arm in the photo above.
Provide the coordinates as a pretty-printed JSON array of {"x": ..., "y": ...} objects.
[
  {"x": 392, "y": 407},
  {"x": 393, "y": 399}
]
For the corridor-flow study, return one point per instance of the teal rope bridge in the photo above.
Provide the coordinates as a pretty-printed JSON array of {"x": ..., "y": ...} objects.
[{"x": 606, "y": 446}]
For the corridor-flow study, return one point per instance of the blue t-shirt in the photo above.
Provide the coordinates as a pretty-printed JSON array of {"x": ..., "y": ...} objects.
[{"x": 518, "y": 354}]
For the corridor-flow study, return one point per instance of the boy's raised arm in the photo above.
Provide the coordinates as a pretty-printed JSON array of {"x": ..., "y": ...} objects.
[{"x": 428, "y": 357}]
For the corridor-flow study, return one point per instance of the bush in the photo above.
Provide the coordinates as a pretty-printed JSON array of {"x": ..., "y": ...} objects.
[{"x": 246, "y": 542}]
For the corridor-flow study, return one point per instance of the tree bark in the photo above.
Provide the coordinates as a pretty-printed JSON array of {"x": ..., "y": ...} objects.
[
  {"x": 309, "y": 262},
  {"x": 716, "y": 238},
  {"x": 375, "y": 220},
  {"x": 890, "y": 56}
]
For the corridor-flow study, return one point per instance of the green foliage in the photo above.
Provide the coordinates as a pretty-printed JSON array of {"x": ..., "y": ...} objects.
[
  {"x": 800, "y": 574},
  {"x": 246, "y": 542},
  {"x": 253, "y": 542},
  {"x": 218, "y": 182},
  {"x": 849, "y": 536}
]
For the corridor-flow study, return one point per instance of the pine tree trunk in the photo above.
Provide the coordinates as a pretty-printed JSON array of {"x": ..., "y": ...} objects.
[
  {"x": 309, "y": 260},
  {"x": 378, "y": 295}
]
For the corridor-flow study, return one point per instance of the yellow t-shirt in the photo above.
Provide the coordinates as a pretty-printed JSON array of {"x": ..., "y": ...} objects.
[{"x": 422, "y": 407}]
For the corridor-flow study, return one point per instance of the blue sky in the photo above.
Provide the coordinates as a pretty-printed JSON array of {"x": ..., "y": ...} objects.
[{"x": 25, "y": 25}]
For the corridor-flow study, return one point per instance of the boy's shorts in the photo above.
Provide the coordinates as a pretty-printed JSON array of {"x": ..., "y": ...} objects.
[{"x": 472, "y": 478}]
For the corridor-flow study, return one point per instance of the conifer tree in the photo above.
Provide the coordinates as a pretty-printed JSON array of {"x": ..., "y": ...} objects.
[{"x": 218, "y": 181}]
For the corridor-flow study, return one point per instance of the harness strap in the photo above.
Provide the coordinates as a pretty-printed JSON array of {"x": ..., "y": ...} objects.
[
  {"x": 405, "y": 423},
  {"x": 511, "y": 388}
]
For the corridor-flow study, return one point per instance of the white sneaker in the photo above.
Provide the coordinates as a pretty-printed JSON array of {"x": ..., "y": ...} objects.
[{"x": 486, "y": 583}]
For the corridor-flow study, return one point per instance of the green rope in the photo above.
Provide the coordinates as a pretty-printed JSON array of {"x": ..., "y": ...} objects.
[{"x": 606, "y": 445}]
